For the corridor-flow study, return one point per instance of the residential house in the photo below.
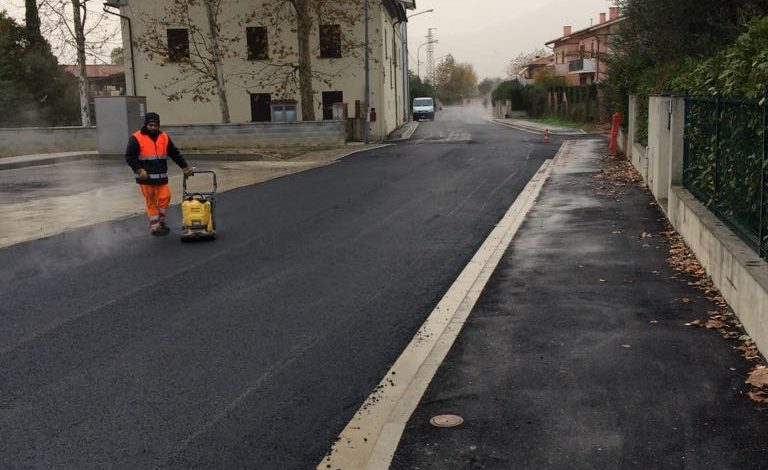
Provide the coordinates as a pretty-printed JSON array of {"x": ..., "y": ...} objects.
[
  {"x": 535, "y": 69},
  {"x": 103, "y": 79},
  {"x": 580, "y": 55},
  {"x": 253, "y": 49}
]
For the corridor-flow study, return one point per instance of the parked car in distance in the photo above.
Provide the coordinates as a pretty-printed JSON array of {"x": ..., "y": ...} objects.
[{"x": 423, "y": 108}]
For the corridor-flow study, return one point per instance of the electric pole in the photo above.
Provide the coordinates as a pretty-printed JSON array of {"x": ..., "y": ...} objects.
[{"x": 431, "y": 56}]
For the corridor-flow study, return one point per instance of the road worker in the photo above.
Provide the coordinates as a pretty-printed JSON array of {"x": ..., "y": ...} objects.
[{"x": 147, "y": 155}]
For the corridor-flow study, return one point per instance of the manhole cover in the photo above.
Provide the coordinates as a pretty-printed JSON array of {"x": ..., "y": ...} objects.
[{"x": 446, "y": 421}]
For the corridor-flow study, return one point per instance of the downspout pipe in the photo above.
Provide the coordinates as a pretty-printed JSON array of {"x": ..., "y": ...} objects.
[
  {"x": 130, "y": 43},
  {"x": 406, "y": 76},
  {"x": 394, "y": 51},
  {"x": 367, "y": 136}
]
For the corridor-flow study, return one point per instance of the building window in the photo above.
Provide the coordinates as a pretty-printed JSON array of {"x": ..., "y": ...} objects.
[
  {"x": 178, "y": 45},
  {"x": 330, "y": 40},
  {"x": 284, "y": 111},
  {"x": 258, "y": 44}
]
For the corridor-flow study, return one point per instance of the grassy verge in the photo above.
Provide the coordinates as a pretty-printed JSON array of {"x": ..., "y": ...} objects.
[{"x": 558, "y": 122}]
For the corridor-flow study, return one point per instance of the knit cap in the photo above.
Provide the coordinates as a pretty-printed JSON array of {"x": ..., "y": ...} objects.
[{"x": 151, "y": 117}]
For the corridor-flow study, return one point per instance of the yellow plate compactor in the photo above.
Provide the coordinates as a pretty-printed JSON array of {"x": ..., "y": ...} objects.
[{"x": 197, "y": 212}]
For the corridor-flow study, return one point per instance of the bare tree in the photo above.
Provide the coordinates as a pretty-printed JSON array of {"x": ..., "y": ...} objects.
[
  {"x": 87, "y": 31},
  {"x": 79, "y": 16},
  {"x": 523, "y": 60},
  {"x": 200, "y": 65},
  {"x": 291, "y": 70},
  {"x": 285, "y": 68}
]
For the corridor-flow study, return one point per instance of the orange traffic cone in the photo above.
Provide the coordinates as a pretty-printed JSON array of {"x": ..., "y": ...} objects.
[{"x": 546, "y": 136}]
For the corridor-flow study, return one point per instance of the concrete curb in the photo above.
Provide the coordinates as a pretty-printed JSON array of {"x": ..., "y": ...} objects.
[
  {"x": 406, "y": 135},
  {"x": 23, "y": 161},
  {"x": 539, "y": 130}
]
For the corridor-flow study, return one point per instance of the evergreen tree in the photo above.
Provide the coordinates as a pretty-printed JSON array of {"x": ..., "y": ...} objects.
[
  {"x": 661, "y": 37},
  {"x": 34, "y": 91}
]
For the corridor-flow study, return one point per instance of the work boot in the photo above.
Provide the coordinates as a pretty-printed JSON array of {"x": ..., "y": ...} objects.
[{"x": 160, "y": 230}]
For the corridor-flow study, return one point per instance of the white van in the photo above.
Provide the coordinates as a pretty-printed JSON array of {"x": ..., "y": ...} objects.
[{"x": 423, "y": 108}]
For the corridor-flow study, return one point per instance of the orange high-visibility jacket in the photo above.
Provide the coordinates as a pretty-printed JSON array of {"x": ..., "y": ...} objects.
[{"x": 152, "y": 155}]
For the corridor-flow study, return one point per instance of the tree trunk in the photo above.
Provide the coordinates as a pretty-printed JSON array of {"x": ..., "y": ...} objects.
[
  {"x": 32, "y": 17},
  {"x": 85, "y": 113},
  {"x": 216, "y": 57},
  {"x": 304, "y": 23}
]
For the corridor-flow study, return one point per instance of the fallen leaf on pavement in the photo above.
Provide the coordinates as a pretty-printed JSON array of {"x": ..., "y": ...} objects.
[
  {"x": 760, "y": 397},
  {"x": 715, "y": 325},
  {"x": 758, "y": 378}
]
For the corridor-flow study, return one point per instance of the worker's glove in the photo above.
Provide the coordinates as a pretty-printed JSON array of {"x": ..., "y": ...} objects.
[
  {"x": 142, "y": 174},
  {"x": 188, "y": 171}
]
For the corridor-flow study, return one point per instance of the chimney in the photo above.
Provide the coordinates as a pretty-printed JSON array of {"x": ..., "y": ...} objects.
[
  {"x": 566, "y": 31},
  {"x": 613, "y": 13},
  {"x": 602, "y": 18}
]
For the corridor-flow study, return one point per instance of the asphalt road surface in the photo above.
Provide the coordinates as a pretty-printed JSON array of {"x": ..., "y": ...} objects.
[{"x": 119, "y": 350}]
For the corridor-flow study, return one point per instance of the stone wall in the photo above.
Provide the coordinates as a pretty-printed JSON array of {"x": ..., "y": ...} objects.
[
  {"x": 31, "y": 140},
  {"x": 34, "y": 140},
  {"x": 250, "y": 135}
]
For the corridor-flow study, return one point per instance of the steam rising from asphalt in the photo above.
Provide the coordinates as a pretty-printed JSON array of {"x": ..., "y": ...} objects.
[{"x": 454, "y": 123}]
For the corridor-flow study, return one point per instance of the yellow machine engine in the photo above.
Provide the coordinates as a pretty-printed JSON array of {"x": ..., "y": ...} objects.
[
  {"x": 197, "y": 211},
  {"x": 196, "y": 214}
]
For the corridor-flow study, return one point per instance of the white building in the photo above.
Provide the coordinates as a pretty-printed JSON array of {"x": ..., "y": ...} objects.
[{"x": 167, "y": 56}]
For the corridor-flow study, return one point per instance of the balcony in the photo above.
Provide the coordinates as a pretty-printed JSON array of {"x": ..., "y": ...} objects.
[{"x": 582, "y": 66}]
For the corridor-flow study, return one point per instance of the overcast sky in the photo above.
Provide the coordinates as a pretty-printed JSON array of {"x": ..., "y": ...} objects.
[
  {"x": 489, "y": 33},
  {"x": 485, "y": 33}
]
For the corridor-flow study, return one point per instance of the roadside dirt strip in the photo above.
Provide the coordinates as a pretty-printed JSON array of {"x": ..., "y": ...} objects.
[{"x": 370, "y": 439}]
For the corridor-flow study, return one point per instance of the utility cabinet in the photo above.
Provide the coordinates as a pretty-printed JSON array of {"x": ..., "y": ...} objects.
[{"x": 117, "y": 117}]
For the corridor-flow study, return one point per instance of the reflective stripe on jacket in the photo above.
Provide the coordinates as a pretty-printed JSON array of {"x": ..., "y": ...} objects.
[{"x": 153, "y": 156}]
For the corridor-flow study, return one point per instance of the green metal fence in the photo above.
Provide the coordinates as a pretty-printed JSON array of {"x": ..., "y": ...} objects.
[
  {"x": 641, "y": 118},
  {"x": 725, "y": 163}
]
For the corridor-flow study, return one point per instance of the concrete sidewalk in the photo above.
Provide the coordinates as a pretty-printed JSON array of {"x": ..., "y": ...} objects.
[
  {"x": 583, "y": 350},
  {"x": 44, "y": 195},
  {"x": 23, "y": 161},
  {"x": 537, "y": 128}
]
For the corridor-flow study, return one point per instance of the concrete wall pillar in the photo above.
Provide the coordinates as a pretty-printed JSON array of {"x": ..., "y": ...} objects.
[
  {"x": 677, "y": 142},
  {"x": 631, "y": 124},
  {"x": 659, "y": 151}
]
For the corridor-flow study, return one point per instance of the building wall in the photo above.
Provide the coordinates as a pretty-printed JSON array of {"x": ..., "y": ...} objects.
[{"x": 346, "y": 74}]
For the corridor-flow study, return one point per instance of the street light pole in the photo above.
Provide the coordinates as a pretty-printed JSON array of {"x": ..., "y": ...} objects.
[{"x": 406, "y": 76}]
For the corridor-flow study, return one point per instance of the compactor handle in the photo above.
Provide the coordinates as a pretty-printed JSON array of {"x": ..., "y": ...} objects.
[{"x": 197, "y": 172}]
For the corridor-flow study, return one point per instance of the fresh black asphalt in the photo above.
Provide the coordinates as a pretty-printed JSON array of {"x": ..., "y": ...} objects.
[
  {"x": 119, "y": 350},
  {"x": 577, "y": 355}
]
